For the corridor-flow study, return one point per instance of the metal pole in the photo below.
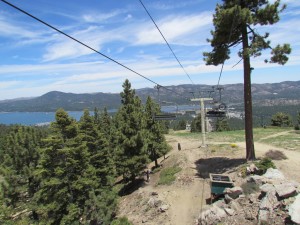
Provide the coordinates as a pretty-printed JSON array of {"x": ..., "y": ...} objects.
[
  {"x": 202, "y": 122},
  {"x": 202, "y": 113}
]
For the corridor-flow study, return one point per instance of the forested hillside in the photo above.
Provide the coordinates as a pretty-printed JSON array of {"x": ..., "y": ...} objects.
[{"x": 67, "y": 173}]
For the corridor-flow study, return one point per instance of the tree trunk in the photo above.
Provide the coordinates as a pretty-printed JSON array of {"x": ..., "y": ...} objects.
[{"x": 250, "y": 154}]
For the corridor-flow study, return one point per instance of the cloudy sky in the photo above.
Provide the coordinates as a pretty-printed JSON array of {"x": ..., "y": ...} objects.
[{"x": 35, "y": 59}]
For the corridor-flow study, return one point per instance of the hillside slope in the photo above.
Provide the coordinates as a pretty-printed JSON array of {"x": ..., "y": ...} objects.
[{"x": 271, "y": 94}]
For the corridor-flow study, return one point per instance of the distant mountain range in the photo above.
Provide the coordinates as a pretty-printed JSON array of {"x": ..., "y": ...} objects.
[{"x": 269, "y": 94}]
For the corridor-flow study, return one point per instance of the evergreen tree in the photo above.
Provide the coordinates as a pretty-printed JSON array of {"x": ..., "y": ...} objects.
[
  {"x": 234, "y": 21},
  {"x": 281, "y": 119},
  {"x": 155, "y": 140},
  {"x": 222, "y": 125},
  {"x": 130, "y": 147},
  {"x": 66, "y": 177},
  {"x": 196, "y": 124}
]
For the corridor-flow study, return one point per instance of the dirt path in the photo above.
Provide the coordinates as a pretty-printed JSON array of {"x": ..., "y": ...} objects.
[
  {"x": 276, "y": 135},
  {"x": 187, "y": 196}
]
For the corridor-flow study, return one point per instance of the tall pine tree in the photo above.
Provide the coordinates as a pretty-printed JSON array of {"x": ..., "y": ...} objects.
[
  {"x": 155, "y": 140},
  {"x": 131, "y": 155},
  {"x": 234, "y": 22}
]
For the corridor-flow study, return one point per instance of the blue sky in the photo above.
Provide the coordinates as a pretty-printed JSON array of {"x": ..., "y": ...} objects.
[{"x": 36, "y": 59}]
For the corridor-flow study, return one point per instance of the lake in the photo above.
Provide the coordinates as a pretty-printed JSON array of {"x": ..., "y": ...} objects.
[{"x": 40, "y": 118}]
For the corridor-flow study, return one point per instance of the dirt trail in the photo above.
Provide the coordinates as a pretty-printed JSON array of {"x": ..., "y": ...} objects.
[
  {"x": 187, "y": 196},
  {"x": 276, "y": 135}
]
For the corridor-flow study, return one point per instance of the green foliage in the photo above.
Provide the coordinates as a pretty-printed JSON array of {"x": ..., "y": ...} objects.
[
  {"x": 231, "y": 19},
  {"x": 196, "y": 124},
  {"x": 281, "y": 119},
  {"x": 167, "y": 175},
  {"x": 131, "y": 154},
  {"x": 222, "y": 125},
  {"x": 180, "y": 125},
  {"x": 153, "y": 132},
  {"x": 121, "y": 221},
  {"x": 264, "y": 164}
]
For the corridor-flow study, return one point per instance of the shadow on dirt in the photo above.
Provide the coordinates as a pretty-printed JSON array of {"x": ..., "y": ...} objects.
[
  {"x": 216, "y": 165},
  {"x": 131, "y": 187}
]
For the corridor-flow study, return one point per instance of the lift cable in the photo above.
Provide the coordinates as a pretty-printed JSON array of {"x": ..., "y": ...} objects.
[
  {"x": 87, "y": 46},
  {"x": 166, "y": 41}
]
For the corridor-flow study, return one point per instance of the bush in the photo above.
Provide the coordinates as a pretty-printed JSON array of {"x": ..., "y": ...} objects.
[
  {"x": 121, "y": 221},
  {"x": 275, "y": 155},
  {"x": 249, "y": 188},
  {"x": 265, "y": 164},
  {"x": 167, "y": 175}
]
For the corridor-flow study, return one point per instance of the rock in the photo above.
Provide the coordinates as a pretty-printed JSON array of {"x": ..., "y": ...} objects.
[
  {"x": 259, "y": 180},
  {"x": 263, "y": 216},
  {"x": 154, "y": 193},
  {"x": 269, "y": 202},
  {"x": 251, "y": 169},
  {"x": 229, "y": 212},
  {"x": 274, "y": 174},
  {"x": 228, "y": 199},
  {"x": 233, "y": 192},
  {"x": 235, "y": 206},
  {"x": 294, "y": 210},
  {"x": 265, "y": 188},
  {"x": 163, "y": 208},
  {"x": 220, "y": 203},
  {"x": 153, "y": 202},
  {"x": 252, "y": 198},
  {"x": 285, "y": 190},
  {"x": 212, "y": 215}
]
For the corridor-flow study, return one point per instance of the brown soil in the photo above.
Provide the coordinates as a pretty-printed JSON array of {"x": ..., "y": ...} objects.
[{"x": 190, "y": 193}]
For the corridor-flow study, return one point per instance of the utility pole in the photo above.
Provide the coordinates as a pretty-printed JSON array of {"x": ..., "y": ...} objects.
[{"x": 201, "y": 100}]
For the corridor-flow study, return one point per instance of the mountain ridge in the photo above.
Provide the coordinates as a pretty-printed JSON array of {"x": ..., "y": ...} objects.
[{"x": 287, "y": 92}]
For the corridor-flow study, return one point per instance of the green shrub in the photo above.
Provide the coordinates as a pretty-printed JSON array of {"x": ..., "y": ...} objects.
[
  {"x": 264, "y": 164},
  {"x": 167, "y": 175},
  {"x": 121, "y": 221}
]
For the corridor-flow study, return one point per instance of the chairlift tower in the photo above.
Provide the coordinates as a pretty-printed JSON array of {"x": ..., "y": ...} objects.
[{"x": 202, "y": 100}]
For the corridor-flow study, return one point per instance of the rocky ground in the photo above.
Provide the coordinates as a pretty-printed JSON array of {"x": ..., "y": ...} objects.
[{"x": 187, "y": 200}]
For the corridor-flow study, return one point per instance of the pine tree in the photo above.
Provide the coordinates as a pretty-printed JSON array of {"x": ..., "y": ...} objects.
[
  {"x": 130, "y": 149},
  {"x": 155, "y": 140},
  {"x": 66, "y": 177},
  {"x": 234, "y": 21}
]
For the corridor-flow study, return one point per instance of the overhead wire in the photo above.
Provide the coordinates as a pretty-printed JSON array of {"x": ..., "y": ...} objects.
[
  {"x": 166, "y": 41},
  {"x": 87, "y": 46}
]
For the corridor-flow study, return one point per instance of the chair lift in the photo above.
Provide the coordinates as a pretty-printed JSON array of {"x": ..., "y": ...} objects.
[
  {"x": 162, "y": 116},
  {"x": 218, "y": 107}
]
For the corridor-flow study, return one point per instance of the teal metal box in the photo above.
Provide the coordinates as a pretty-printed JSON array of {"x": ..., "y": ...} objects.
[{"x": 218, "y": 183}]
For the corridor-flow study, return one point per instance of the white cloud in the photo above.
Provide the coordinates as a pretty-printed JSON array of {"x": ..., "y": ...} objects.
[
  {"x": 100, "y": 17},
  {"x": 174, "y": 28}
]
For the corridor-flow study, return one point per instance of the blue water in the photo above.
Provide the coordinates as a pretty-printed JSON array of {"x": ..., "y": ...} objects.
[{"x": 40, "y": 118}]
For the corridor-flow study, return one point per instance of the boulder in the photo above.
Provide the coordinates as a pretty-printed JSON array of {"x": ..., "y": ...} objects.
[
  {"x": 251, "y": 169},
  {"x": 269, "y": 202},
  {"x": 294, "y": 210},
  {"x": 230, "y": 212},
  {"x": 285, "y": 190},
  {"x": 163, "y": 208},
  {"x": 153, "y": 202},
  {"x": 212, "y": 215},
  {"x": 265, "y": 188},
  {"x": 274, "y": 174},
  {"x": 233, "y": 192},
  {"x": 263, "y": 216},
  {"x": 259, "y": 180}
]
